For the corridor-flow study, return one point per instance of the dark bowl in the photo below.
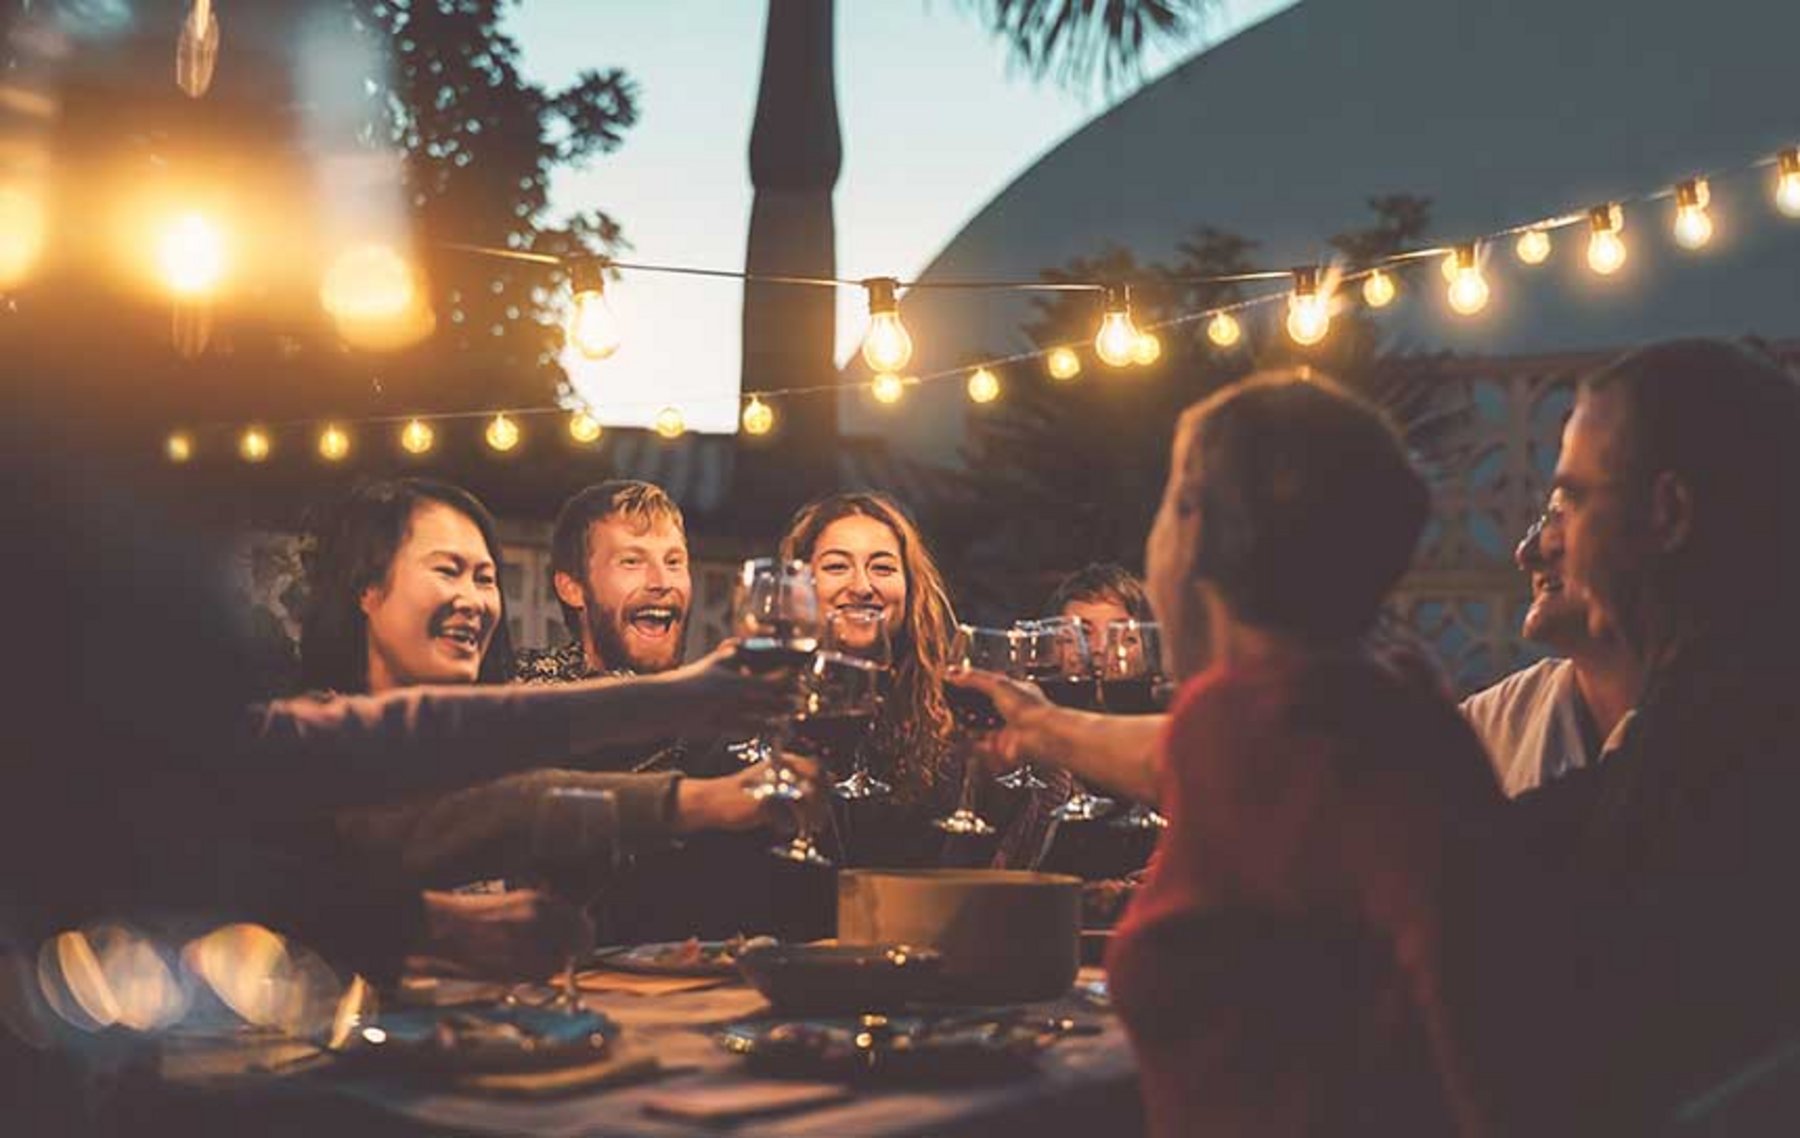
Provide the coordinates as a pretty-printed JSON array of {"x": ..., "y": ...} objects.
[{"x": 824, "y": 979}]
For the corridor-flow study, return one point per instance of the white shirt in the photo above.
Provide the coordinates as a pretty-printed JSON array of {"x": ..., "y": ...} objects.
[{"x": 1533, "y": 725}]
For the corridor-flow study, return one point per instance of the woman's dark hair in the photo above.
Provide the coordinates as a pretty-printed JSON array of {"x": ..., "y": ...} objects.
[
  {"x": 1309, "y": 507},
  {"x": 1102, "y": 581},
  {"x": 354, "y": 547}
]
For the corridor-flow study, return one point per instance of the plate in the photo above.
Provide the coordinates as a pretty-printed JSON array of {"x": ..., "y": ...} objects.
[
  {"x": 916, "y": 1050},
  {"x": 679, "y": 957}
]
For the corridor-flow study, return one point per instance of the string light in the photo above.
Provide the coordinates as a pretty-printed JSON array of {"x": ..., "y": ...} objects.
[
  {"x": 984, "y": 386},
  {"x": 417, "y": 436},
  {"x": 179, "y": 447},
  {"x": 1117, "y": 337},
  {"x": 1533, "y": 247},
  {"x": 669, "y": 423},
  {"x": 1147, "y": 350},
  {"x": 1063, "y": 363},
  {"x": 191, "y": 256},
  {"x": 334, "y": 444},
  {"x": 1787, "y": 181},
  {"x": 1468, "y": 289},
  {"x": 583, "y": 427},
  {"x": 1378, "y": 289},
  {"x": 593, "y": 327},
  {"x": 887, "y": 388},
  {"x": 759, "y": 417},
  {"x": 1693, "y": 225},
  {"x": 502, "y": 433},
  {"x": 1223, "y": 329},
  {"x": 1309, "y": 314},
  {"x": 886, "y": 346},
  {"x": 253, "y": 444},
  {"x": 1606, "y": 250}
]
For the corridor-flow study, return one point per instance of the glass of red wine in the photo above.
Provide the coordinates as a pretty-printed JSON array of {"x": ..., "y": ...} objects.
[
  {"x": 1131, "y": 683},
  {"x": 990, "y": 650},
  {"x": 775, "y": 616},
  {"x": 574, "y": 846},
  {"x": 1053, "y": 654},
  {"x": 846, "y": 685}
]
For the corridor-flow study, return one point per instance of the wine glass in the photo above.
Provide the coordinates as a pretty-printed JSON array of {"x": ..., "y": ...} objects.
[
  {"x": 575, "y": 852},
  {"x": 1054, "y": 655},
  {"x": 846, "y": 687},
  {"x": 990, "y": 650},
  {"x": 1131, "y": 683},
  {"x": 775, "y": 616}
]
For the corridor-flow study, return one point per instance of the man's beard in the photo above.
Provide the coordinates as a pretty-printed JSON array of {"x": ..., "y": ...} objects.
[{"x": 608, "y": 631}]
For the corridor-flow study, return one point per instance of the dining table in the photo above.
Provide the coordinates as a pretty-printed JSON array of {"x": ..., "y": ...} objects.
[{"x": 668, "y": 1051}]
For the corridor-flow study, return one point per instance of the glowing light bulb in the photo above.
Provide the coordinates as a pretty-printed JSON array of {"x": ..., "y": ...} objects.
[
  {"x": 887, "y": 387},
  {"x": 1117, "y": 337},
  {"x": 22, "y": 230},
  {"x": 759, "y": 417},
  {"x": 1147, "y": 350},
  {"x": 1606, "y": 250},
  {"x": 179, "y": 447},
  {"x": 1223, "y": 329},
  {"x": 1378, "y": 289},
  {"x": 669, "y": 423},
  {"x": 1533, "y": 247},
  {"x": 1787, "y": 182},
  {"x": 368, "y": 282},
  {"x": 191, "y": 256},
  {"x": 334, "y": 444},
  {"x": 417, "y": 436},
  {"x": 1693, "y": 225},
  {"x": 1063, "y": 363},
  {"x": 984, "y": 386},
  {"x": 1468, "y": 289},
  {"x": 593, "y": 327},
  {"x": 1309, "y": 314},
  {"x": 886, "y": 345},
  {"x": 583, "y": 427},
  {"x": 253, "y": 444},
  {"x": 502, "y": 433}
]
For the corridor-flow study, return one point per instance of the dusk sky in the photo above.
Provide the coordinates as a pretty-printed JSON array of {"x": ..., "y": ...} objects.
[{"x": 935, "y": 122}]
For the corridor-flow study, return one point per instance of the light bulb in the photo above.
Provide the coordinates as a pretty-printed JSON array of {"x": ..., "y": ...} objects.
[
  {"x": 334, "y": 444},
  {"x": 254, "y": 445},
  {"x": 1063, "y": 363},
  {"x": 1378, "y": 289},
  {"x": 593, "y": 327},
  {"x": 886, "y": 345},
  {"x": 1309, "y": 314},
  {"x": 1147, "y": 350},
  {"x": 1117, "y": 336},
  {"x": 1787, "y": 182},
  {"x": 22, "y": 230},
  {"x": 1533, "y": 246},
  {"x": 984, "y": 386},
  {"x": 1606, "y": 250},
  {"x": 887, "y": 387},
  {"x": 1468, "y": 289},
  {"x": 759, "y": 417},
  {"x": 416, "y": 437},
  {"x": 502, "y": 433},
  {"x": 669, "y": 423},
  {"x": 179, "y": 447},
  {"x": 1693, "y": 225},
  {"x": 583, "y": 427},
  {"x": 191, "y": 256},
  {"x": 1223, "y": 329}
]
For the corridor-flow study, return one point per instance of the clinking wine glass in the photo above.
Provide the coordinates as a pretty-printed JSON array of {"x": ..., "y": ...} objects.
[
  {"x": 775, "y": 616},
  {"x": 845, "y": 689},
  {"x": 1053, "y": 654},
  {"x": 990, "y": 650},
  {"x": 1131, "y": 683}
]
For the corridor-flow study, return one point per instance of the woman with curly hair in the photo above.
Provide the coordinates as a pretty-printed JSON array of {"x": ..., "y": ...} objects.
[{"x": 869, "y": 557}]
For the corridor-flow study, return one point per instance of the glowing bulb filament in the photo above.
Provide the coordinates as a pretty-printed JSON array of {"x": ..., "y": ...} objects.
[
  {"x": 1533, "y": 247},
  {"x": 984, "y": 386},
  {"x": 254, "y": 445},
  {"x": 1223, "y": 329},
  {"x": 759, "y": 418},
  {"x": 1118, "y": 337},
  {"x": 886, "y": 346},
  {"x": 1468, "y": 289},
  {"x": 583, "y": 427},
  {"x": 334, "y": 444},
  {"x": 179, "y": 448},
  {"x": 593, "y": 327},
  {"x": 502, "y": 433},
  {"x": 1378, "y": 289},
  {"x": 1063, "y": 363},
  {"x": 887, "y": 388},
  {"x": 416, "y": 437},
  {"x": 1693, "y": 225},
  {"x": 1606, "y": 250},
  {"x": 1309, "y": 313},
  {"x": 669, "y": 423}
]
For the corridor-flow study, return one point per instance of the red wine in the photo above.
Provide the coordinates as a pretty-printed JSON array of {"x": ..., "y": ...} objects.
[
  {"x": 773, "y": 653},
  {"x": 832, "y": 737},
  {"x": 973, "y": 710},
  {"x": 1130, "y": 697},
  {"x": 1065, "y": 691}
]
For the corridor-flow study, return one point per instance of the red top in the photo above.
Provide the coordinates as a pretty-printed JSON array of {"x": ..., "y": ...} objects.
[{"x": 1279, "y": 973}]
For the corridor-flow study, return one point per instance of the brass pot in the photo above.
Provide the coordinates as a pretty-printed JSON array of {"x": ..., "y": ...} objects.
[{"x": 1006, "y": 936}]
